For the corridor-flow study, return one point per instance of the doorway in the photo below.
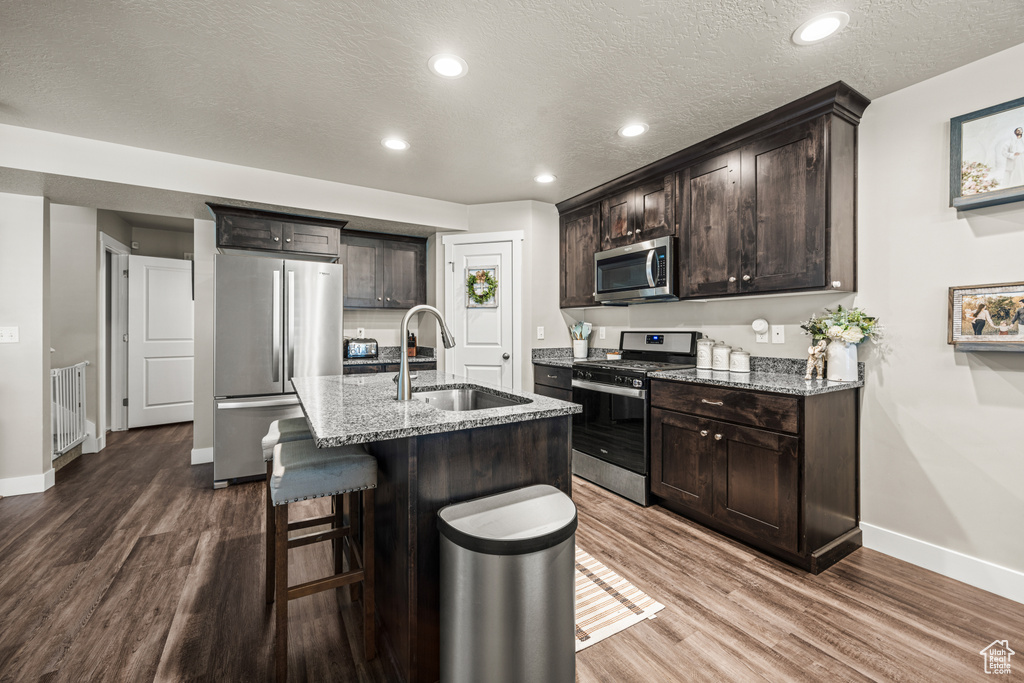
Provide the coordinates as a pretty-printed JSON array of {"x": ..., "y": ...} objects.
[
  {"x": 113, "y": 343},
  {"x": 486, "y": 315}
]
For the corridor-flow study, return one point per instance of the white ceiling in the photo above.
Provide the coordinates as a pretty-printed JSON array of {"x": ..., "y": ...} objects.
[{"x": 311, "y": 86}]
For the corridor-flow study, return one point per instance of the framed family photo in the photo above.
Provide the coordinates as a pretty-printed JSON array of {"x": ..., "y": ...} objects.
[
  {"x": 987, "y": 317},
  {"x": 986, "y": 156}
]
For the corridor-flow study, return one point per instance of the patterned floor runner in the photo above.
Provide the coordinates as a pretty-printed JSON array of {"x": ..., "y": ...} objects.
[{"x": 606, "y": 603}]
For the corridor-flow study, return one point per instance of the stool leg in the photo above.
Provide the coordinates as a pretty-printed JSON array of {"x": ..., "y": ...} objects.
[
  {"x": 369, "y": 628},
  {"x": 271, "y": 540},
  {"x": 338, "y": 544},
  {"x": 281, "y": 562},
  {"x": 355, "y": 589}
]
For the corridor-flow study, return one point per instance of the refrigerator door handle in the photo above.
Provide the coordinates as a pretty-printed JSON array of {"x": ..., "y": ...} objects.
[
  {"x": 275, "y": 351},
  {"x": 271, "y": 403},
  {"x": 290, "y": 366}
]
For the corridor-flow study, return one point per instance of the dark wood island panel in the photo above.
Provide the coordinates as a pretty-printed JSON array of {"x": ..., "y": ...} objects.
[{"x": 417, "y": 476}]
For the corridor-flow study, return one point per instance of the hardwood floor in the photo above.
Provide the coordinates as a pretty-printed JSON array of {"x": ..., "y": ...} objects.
[{"x": 132, "y": 568}]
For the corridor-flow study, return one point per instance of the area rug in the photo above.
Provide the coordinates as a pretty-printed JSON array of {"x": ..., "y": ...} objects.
[{"x": 606, "y": 603}]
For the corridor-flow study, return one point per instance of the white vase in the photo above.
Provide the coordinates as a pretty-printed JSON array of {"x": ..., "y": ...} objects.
[
  {"x": 579, "y": 348},
  {"x": 841, "y": 362}
]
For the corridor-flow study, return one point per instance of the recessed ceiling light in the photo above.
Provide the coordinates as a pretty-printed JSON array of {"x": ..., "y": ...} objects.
[
  {"x": 820, "y": 27},
  {"x": 448, "y": 66},
  {"x": 633, "y": 129},
  {"x": 545, "y": 178},
  {"x": 395, "y": 143}
]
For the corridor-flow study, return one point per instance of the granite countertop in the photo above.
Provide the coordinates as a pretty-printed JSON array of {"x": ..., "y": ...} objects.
[
  {"x": 774, "y": 382},
  {"x": 387, "y": 355},
  {"x": 362, "y": 408}
]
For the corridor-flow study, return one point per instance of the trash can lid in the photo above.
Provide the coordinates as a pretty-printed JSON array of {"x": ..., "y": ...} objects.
[{"x": 512, "y": 523}]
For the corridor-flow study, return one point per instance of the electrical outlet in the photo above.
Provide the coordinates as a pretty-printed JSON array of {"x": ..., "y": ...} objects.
[
  {"x": 600, "y": 332},
  {"x": 761, "y": 338},
  {"x": 8, "y": 335},
  {"x": 778, "y": 334},
  {"x": 540, "y": 332},
  {"x": 360, "y": 332}
]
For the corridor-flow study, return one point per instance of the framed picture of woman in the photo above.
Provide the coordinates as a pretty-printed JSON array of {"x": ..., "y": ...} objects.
[
  {"x": 986, "y": 156},
  {"x": 987, "y": 317}
]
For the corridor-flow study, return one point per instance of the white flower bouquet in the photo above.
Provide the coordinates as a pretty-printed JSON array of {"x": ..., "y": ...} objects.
[{"x": 850, "y": 325}]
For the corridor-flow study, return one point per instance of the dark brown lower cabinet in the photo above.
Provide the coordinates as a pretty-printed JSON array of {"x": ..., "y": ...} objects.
[
  {"x": 370, "y": 368},
  {"x": 793, "y": 495}
]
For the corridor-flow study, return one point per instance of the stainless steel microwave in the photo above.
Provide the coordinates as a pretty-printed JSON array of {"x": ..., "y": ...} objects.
[{"x": 637, "y": 273}]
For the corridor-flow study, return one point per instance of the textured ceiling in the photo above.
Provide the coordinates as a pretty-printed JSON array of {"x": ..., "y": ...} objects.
[{"x": 311, "y": 86}]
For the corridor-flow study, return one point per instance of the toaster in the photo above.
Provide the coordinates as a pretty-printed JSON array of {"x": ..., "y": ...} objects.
[{"x": 360, "y": 348}]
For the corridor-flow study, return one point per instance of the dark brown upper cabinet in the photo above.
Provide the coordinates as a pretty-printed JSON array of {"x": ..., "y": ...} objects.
[
  {"x": 766, "y": 207},
  {"x": 578, "y": 234},
  {"x": 242, "y": 228},
  {"x": 640, "y": 213},
  {"x": 383, "y": 272}
]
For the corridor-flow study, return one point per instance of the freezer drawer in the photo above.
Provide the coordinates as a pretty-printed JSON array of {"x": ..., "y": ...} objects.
[{"x": 239, "y": 426}]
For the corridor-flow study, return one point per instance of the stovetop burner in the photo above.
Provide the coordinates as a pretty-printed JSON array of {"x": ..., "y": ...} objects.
[{"x": 635, "y": 365}]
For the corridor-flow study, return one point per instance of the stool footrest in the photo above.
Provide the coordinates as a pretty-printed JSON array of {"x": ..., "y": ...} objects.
[
  {"x": 318, "y": 536},
  {"x": 312, "y": 521},
  {"x": 337, "y": 581}
]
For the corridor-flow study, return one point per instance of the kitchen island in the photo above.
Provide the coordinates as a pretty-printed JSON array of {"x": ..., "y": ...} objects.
[{"x": 428, "y": 458}]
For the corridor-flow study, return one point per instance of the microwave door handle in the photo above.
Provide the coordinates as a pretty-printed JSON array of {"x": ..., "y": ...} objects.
[
  {"x": 275, "y": 331},
  {"x": 650, "y": 264}
]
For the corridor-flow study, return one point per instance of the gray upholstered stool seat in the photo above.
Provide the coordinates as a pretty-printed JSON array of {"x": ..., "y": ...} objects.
[
  {"x": 282, "y": 431},
  {"x": 302, "y": 471}
]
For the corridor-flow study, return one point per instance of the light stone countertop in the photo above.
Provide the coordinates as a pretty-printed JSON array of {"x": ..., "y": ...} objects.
[
  {"x": 774, "y": 382},
  {"x": 355, "y": 409}
]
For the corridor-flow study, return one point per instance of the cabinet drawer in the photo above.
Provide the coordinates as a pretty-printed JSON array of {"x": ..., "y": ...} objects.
[
  {"x": 559, "y": 378},
  {"x": 734, "y": 405},
  {"x": 553, "y": 392}
]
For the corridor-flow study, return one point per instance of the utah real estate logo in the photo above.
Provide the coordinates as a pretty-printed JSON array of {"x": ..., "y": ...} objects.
[{"x": 997, "y": 657}]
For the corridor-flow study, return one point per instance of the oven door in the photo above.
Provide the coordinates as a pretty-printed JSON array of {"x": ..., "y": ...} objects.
[{"x": 613, "y": 424}]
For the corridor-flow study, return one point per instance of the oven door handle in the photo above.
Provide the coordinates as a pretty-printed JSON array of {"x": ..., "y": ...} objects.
[
  {"x": 609, "y": 389},
  {"x": 650, "y": 267}
]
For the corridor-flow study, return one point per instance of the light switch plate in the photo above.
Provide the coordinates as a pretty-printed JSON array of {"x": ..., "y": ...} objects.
[
  {"x": 8, "y": 335},
  {"x": 778, "y": 334},
  {"x": 600, "y": 332},
  {"x": 540, "y": 332}
]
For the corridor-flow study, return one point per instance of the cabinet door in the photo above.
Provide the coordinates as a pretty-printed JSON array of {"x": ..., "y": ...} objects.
[
  {"x": 681, "y": 462},
  {"x": 618, "y": 220},
  {"x": 756, "y": 483},
  {"x": 578, "y": 236},
  {"x": 655, "y": 209},
  {"x": 709, "y": 255},
  {"x": 362, "y": 264},
  {"x": 249, "y": 233},
  {"x": 310, "y": 239},
  {"x": 553, "y": 392},
  {"x": 782, "y": 219},
  {"x": 404, "y": 268},
  {"x": 360, "y": 369}
]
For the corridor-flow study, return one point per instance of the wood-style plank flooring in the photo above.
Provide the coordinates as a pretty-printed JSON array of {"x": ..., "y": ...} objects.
[{"x": 132, "y": 568}]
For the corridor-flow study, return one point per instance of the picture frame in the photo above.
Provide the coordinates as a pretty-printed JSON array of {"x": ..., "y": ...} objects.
[
  {"x": 987, "y": 317},
  {"x": 982, "y": 171}
]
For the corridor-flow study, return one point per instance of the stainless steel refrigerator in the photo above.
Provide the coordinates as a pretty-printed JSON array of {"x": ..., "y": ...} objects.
[{"x": 274, "y": 319}]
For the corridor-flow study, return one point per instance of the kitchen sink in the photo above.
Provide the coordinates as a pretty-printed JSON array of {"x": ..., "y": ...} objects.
[{"x": 467, "y": 398}]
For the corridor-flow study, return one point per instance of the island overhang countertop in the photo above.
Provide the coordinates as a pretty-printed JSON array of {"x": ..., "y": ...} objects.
[{"x": 351, "y": 409}]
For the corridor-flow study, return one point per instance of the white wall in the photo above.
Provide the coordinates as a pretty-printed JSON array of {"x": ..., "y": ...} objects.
[
  {"x": 205, "y": 247},
  {"x": 162, "y": 243},
  {"x": 25, "y": 366},
  {"x": 941, "y": 450}
]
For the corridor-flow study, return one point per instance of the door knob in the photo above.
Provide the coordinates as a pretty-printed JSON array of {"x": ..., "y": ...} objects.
[{"x": 505, "y": 356}]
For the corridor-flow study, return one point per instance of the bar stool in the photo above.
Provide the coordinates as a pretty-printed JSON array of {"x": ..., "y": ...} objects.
[
  {"x": 302, "y": 471},
  {"x": 281, "y": 431}
]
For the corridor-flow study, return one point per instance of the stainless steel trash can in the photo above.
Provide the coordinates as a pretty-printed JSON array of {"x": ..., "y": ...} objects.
[{"x": 507, "y": 588}]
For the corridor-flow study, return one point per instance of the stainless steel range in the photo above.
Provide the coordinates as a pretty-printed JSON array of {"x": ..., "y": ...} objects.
[{"x": 610, "y": 439}]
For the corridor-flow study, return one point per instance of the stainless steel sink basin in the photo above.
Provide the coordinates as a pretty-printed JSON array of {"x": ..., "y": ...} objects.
[{"x": 466, "y": 399}]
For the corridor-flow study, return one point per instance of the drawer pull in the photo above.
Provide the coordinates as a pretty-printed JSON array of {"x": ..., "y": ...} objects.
[
  {"x": 703, "y": 432},
  {"x": 552, "y": 376},
  {"x": 712, "y": 403},
  {"x": 718, "y": 437}
]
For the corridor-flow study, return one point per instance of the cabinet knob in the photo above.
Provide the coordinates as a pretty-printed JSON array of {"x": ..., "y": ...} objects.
[
  {"x": 718, "y": 437},
  {"x": 703, "y": 432},
  {"x": 277, "y": 239},
  {"x": 379, "y": 299},
  {"x": 746, "y": 278},
  {"x": 637, "y": 231},
  {"x": 389, "y": 298},
  {"x": 288, "y": 239},
  {"x": 732, "y": 278},
  {"x": 836, "y": 284},
  {"x": 629, "y": 232}
]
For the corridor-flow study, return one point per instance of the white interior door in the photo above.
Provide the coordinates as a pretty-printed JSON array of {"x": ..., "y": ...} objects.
[
  {"x": 160, "y": 341},
  {"x": 484, "y": 335}
]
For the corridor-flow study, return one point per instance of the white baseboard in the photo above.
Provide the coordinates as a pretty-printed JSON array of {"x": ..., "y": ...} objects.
[
  {"x": 201, "y": 456},
  {"x": 993, "y": 578},
  {"x": 33, "y": 483},
  {"x": 91, "y": 443}
]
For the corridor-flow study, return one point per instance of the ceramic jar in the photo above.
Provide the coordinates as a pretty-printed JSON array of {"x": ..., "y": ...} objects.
[
  {"x": 720, "y": 356},
  {"x": 739, "y": 361},
  {"x": 704, "y": 353},
  {"x": 841, "y": 362},
  {"x": 579, "y": 349}
]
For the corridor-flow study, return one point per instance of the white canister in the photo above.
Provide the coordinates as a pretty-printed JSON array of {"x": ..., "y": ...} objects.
[
  {"x": 739, "y": 361},
  {"x": 579, "y": 349},
  {"x": 704, "y": 353},
  {"x": 720, "y": 356}
]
